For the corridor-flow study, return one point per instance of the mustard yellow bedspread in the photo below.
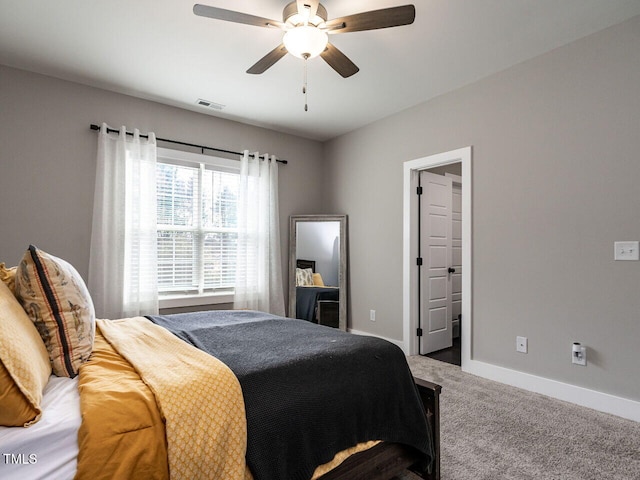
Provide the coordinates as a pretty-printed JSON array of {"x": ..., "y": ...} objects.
[
  {"x": 122, "y": 431},
  {"x": 200, "y": 409}
]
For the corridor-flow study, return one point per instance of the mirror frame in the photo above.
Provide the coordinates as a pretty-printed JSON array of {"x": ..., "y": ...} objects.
[{"x": 342, "y": 268}]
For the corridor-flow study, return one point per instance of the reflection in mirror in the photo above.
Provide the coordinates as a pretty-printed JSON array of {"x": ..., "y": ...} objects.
[{"x": 317, "y": 269}]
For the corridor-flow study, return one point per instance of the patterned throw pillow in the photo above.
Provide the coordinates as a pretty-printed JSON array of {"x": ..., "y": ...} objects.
[
  {"x": 56, "y": 299},
  {"x": 24, "y": 364},
  {"x": 304, "y": 277}
]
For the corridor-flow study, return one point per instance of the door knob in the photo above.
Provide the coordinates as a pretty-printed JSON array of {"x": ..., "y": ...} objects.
[{"x": 452, "y": 270}]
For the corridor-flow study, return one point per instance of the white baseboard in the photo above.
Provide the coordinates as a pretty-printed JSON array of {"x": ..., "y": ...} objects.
[
  {"x": 399, "y": 343},
  {"x": 585, "y": 397}
]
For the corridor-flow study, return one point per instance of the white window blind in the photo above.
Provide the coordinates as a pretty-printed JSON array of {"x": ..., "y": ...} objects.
[{"x": 197, "y": 227}]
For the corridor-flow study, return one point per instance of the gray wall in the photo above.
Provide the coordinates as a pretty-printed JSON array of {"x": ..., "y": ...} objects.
[
  {"x": 48, "y": 155},
  {"x": 556, "y": 180}
]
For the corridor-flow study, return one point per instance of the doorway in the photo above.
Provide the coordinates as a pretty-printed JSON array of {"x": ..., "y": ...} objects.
[{"x": 411, "y": 274}]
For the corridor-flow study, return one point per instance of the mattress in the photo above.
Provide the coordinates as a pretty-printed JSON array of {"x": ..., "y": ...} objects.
[{"x": 49, "y": 448}]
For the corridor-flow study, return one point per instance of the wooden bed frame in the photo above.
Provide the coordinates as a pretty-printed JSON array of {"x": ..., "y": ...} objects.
[
  {"x": 306, "y": 264},
  {"x": 386, "y": 460}
]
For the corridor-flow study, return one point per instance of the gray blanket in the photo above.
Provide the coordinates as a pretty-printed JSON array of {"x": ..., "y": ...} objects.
[{"x": 310, "y": 391}]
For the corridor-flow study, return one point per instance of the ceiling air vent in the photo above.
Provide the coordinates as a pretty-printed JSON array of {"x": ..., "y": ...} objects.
[{"x": 209, "y": 104}]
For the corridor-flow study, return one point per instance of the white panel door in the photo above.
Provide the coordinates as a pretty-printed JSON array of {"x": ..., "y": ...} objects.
[
  {"x": 456, "y": 252},
  {"x": 435, "y": 250}
]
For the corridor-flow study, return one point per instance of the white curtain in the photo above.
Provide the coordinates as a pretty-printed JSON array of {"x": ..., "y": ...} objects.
[
  {"x": 259, "y": 270},
  {"x": 122, "y": 263}
]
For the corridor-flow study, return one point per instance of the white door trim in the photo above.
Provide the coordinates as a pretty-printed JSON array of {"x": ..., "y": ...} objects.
[{"x": 410, "y": 247}]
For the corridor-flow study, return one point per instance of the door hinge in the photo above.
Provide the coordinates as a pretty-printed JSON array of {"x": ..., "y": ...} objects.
[
  {"x": 419, "y": 261},
  {"x": 419, "y": 190},
  {"x": 419, "y": 332}
]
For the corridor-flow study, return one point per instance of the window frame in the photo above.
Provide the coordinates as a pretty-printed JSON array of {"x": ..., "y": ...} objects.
[{"x": 190, "y": 159}]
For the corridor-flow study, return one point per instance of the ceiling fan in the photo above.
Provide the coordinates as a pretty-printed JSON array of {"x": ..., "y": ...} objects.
[{"x": 306, "y": 30}]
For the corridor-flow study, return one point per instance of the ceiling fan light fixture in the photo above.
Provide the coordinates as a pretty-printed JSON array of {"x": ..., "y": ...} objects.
[
  {"x": 306, "y": 26},
  {"x": 305, "y": 41}
]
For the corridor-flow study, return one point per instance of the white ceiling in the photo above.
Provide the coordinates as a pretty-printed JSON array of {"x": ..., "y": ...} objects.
[{"x": 159, "y": 50}]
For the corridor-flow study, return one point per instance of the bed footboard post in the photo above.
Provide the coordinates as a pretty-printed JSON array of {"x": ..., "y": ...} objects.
[{"x": 430, "y": 397}]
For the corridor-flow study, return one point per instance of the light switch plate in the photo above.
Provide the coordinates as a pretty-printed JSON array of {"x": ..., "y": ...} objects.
[{"x": 626, "y": 250}]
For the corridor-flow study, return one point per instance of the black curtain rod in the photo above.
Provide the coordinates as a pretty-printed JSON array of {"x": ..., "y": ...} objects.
[{"x": 201, "y": 147}]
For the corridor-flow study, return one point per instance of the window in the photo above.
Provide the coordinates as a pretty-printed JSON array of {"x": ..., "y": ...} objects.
[{"x": 197, "y": 227}]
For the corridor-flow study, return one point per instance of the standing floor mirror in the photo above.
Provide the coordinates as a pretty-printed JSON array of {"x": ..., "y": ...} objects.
[{"x": 318, "y": 269}]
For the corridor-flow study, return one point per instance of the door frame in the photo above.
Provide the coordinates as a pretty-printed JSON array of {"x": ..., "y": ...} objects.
[{"x": 411, "y": 170}]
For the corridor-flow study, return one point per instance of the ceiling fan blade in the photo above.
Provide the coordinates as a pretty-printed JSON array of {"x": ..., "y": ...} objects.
[
  {"x": 384, "y": 18},
  {"x": 268, "y": 60},
  {"x": 339, "y": 61},
  {"x": 236, "y": 17},
  {"x": 311, "y": 5}
]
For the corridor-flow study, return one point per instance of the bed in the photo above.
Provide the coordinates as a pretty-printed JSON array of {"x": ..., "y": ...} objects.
[
  {"x": 315, "y": 302},
  {"x": 230, "y": 394}
]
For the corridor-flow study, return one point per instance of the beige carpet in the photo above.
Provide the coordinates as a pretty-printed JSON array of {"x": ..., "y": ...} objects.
[{"x": 494, "y": 431}]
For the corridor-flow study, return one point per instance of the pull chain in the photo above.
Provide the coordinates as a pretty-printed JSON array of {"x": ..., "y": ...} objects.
[{"x": 304, "y": 84}]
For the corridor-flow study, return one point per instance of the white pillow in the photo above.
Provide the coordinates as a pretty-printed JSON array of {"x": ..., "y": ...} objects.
[{"x": 304, "y": 277}]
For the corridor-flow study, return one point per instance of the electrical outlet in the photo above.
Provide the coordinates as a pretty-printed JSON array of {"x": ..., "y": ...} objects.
[
  {"x": 579, "y": 354},
  {"x": 522, "y": 344},
  {"x": 372, "y": 315}
]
